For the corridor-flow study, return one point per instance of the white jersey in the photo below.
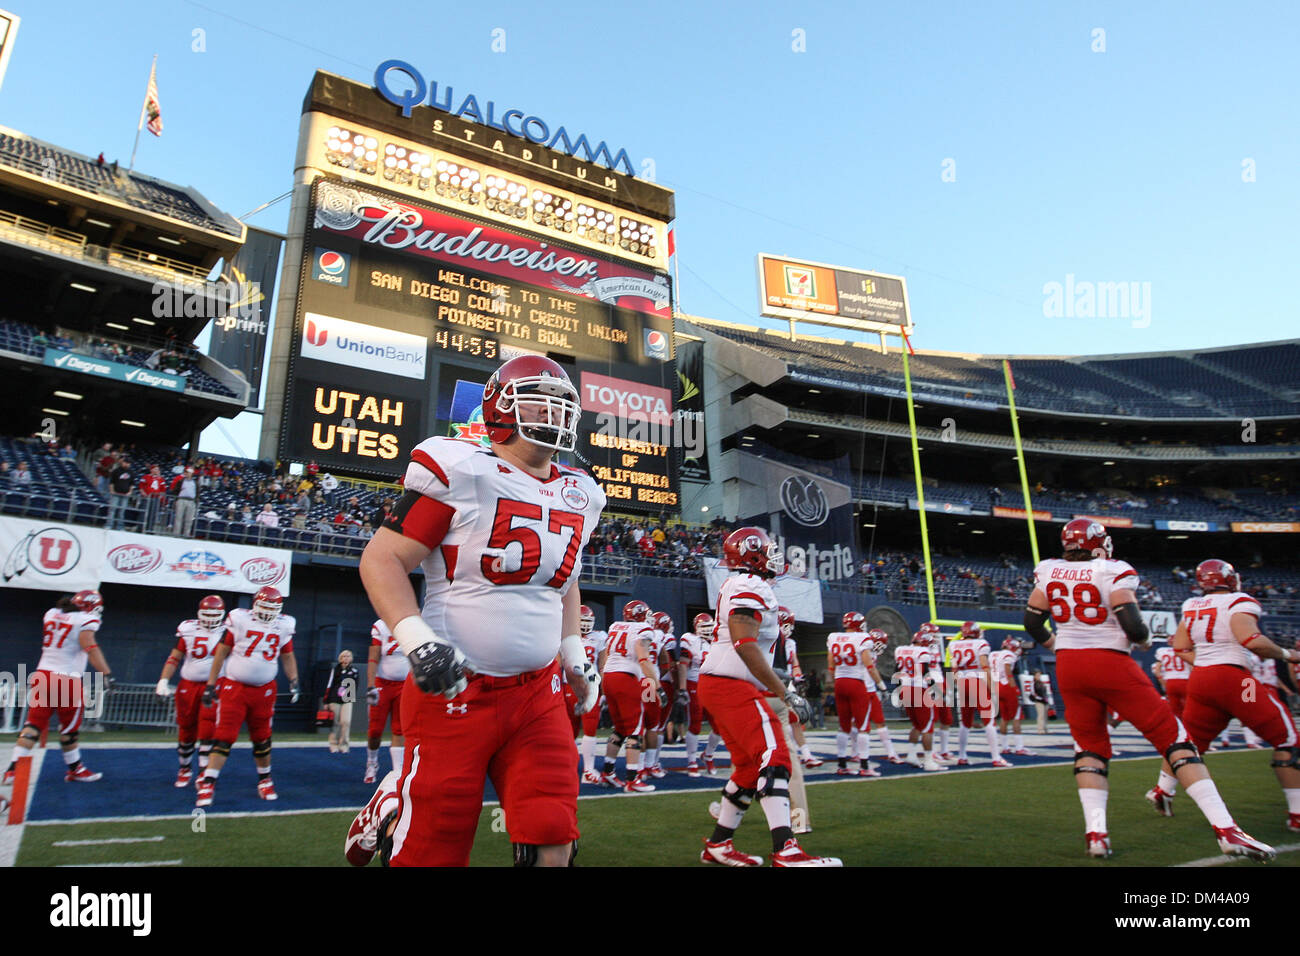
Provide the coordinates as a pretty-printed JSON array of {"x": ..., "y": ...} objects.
[
  {"x": 742, "y": 591},
  {"x": 593, "y": 644},
  {"x": 850, "y": 652},
  {"x": 664, "y": 642},
  {"x": 691, "y": 649},
  {"x": 1207, "y": 621},
  {"x": 61, "y": 641},
  {"x": 1172, "y": 667},
  {"x": 198, "y": 644},
  {"x": 998, "y": 661},
  {"x": 1079, "y": 595},
  {"x": 506, "y": 548},
  {"x": 622, "y": 656},
  {"x": 1027, "y": 689},
  {"x": 256, "y": 646},
  {"x": 965, "y": 654},
  {"x": 393, "y": 664},
  {"x": 1265, "y": 670},
  {"x": 908, "y": 659}
]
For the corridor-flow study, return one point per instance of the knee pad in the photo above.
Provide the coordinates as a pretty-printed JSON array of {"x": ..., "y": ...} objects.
[
  {"x": 1189, "y": 751},
  {"x": 69, "y": 740},
  {"x": 222, "y": 747},
  {"x": 1293, "y": 755},
  {"x": 741, "y": 799},
  {"x": 186, "y": 750},
  {"x": 525, "y": 854},
  {"x": 774, "y": 782},
  {"x": 1103, "y": 770},
  {"x": 34, "y": 736},
  {"x": 386, "y": 838},
  {"x": 262, "y": 748},
  {"x": 617, "y": 739}
]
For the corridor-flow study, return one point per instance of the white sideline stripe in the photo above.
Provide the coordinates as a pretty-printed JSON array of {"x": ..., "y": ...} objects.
[
  {"x": 148, "y": 839},
  {"x": 11, "y": 837},
  {"x": 229, "y": 815},
  {"x": 1218, "y": 860},
  {"x": 137, "y": 863}
]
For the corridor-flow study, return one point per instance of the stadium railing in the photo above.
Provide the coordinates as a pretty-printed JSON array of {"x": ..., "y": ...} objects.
[{"x": 133, "y": 705}]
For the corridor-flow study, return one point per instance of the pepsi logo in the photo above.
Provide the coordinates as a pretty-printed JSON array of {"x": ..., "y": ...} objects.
[
  {"x": 656, "y": 344},
  {"x": 331, "y": 263},
  {"x": 134, "y": 558},
  {"x": 262, "y": 571}
]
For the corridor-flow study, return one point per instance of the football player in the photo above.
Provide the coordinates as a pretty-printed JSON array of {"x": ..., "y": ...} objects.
[
  {"x": 875, "y": 708},
  {"x": 256, "y": 644},
  {"x": 1089, "y": 595},
  {"x": 849, "y": 662},
  {"x": 500, "y": 532},
  {"x": 1003, "y": 664},
  {"x": 586, "y": 725},
  {"x": 976, "y": 690},
  {"x": 386, "y": 672},
  {"x": 196, "y": 642},
  {"x": 68, "y": 641},
  {"x": 631, "y": 682},
  {"x": 735, "y": 684},
  {"x": 691, "y": 649},
  {"x": 785, "y": 665},
  {"x": 657, "y": 714},
  {"x": 916, "y": 668},
  {"x": 1172, "y": 669},
  {"x": 1222, "y": 627}
]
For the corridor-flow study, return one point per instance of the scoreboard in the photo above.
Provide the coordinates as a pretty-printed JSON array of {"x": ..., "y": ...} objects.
[{"x": 405, "y": 308}]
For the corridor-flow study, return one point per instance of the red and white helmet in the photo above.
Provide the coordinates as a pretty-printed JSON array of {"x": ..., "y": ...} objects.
[
  {"x": 970, "y": 630},
  {"x": 267, "y": 604},
  {"x": 1084, "y": 534},
  {"x": 1012, "y": 645},
  {"x": 660, "y": 621},
  {"x": 929, "y": 627},
  {"x": 636, "y": 611},
  {"x": 879, "y": 639},
  {"x": 586, "y": 620},
  {"x": 212, "y": 611},
  {"x": 750, "y": 549},
  {"x": 539, "y": 390},
  {"x": 923, "y": 638},
  {"x": 89, "y": 602},
  {"x": 785, "y": 620},
  {"x": 853, "y": 621},
  {"x": 703, "y": 626},
  {"x": 1214, "y": 575}
]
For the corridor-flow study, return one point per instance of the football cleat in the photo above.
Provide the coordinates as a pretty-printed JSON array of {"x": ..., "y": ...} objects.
[
  {"x": 931, "y": 764},
  {"x": 843, "y": 772},
  {"x": 658, "y": 772},
  {"x": 266, "y": 789},
  {"x": 591, "y": 776},
  {"x": 363, "y": 835},
  {"x": 82, "y": 775},
  {"x": 726, "y": 854},
  {"x": 793, "y": 855},
  {"x": 1098, "y": 844},
  {"x": 945, "y": 756},
  {"x": 207, "y": 789},
  {"x": 913, "y": 760},
  {"x": 999, "y": 762},
  {"x": 709, "y": 767},
  {"x": 692, "y": 769},
  {"x": 963, "y": 762},
  {"x": 611, "y": 780},
  {"x": 868, "y": 771},
  {"x": 1293, "y": 822},
  {"x": 811, "y": 762},
  {"x": 895, "y": 758},
  {"x": 372, "y": 773},
  {"x": 183, "y": 777},
  {"x": 1162, "y": 802},
  {"x": 1234, "y": 842},
  {"x": 1022, "y": 752},
  {"x": 637, "y": 785}
]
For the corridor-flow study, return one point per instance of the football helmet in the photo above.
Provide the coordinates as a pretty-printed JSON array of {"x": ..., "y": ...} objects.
[
  {"x": 750, "y": 549},
  {"x": 532, "y": 395},
  {"x": 703, "y": 625},
  {"x": 89, "y": 602},
  {"x": 929, "y": 627},
  {"x": 785, "y": 621},
  {"x": 1012, "y": 645},
  {"x": 660, "y": 621},
  {"x": 923, "y": 638},
  {"x": 586, "y": 620},
  {"x": 212, "y": 611},
  {"x": 267, "y": 604},
  {"x": 853, "y": 621},
  {"x": 1214, "y": 575},
  {"x": 879, "y": 638},
  {"x": 636, "y": 611},
  {"x": 1084, "y": 534},
  {"x": 970, "y": 630}
]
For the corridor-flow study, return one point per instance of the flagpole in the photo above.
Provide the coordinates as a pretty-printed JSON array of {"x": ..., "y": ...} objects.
[{"x": 143, "y": 106}]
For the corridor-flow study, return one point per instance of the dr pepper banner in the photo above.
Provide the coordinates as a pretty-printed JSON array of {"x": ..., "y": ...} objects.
[{"x": 60, "y": 557}]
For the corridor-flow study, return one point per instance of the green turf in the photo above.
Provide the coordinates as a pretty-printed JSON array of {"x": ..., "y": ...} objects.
[{"x": 1025, "y": 817}]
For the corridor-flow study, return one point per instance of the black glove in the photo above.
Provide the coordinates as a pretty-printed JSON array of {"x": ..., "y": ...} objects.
[
  {"x": 663, "y": 698},
  {"x": 678, "y": 715},
  {"x": 798, "y": 706},
  {"x": 209, "y": 695},
  {"x": 109, "y": 683},
  {"x": 438, "y": 669}
]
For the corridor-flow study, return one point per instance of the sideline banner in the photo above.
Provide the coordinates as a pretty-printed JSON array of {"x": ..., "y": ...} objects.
[
  {"x": 803, "y": 596},
  {"x": 44, "y": 556}
]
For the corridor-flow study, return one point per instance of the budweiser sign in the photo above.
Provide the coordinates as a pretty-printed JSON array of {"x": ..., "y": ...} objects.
[{"x": 134, "y": 558}]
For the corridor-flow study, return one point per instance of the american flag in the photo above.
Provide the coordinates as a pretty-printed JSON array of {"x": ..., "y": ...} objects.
[{"x": 151, "y": 107}]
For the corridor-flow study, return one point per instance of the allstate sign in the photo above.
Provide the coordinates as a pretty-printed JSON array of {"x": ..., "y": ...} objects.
[{"x": 72, "y": 362}]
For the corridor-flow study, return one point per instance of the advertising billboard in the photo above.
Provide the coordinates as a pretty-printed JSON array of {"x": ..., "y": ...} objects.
[{"x": 832, "y": 295}]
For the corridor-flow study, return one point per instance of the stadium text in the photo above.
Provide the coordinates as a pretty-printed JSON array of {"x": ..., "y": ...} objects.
[
  {"x": 1098, "y": 300},
  {"x": 349, "y": 439},
  {"x": 76, "y": 909},
  {"x": 681, "y": 430},
  {"x": 826, "y": 564}
]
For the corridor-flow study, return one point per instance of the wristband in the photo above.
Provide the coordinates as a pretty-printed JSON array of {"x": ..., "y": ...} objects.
[
  {"x": 572, "y": 654},
  {"x": 412, "y": 632}
]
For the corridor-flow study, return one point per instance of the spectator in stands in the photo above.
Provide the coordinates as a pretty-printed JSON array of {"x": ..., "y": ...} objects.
[
  {"x": 313, "y": 470},
  {"x": 152, "y": 489},
  {"x": 303, "y": 501},
  {"x": 328, "y": 484},
  {"x": 340, "y": 695},
  {"x": 4, "y": 473},
  {"x": 355, "y": 515},
  {"x": 381, "y": 514},
  {"x": 68, "y": 453},
  {"x": 185, "y": 490},
  {"x": 267, "y": 517},
  {"x": 21, "y": 476},
  {"x": 104, "y": 468},
  {"x": 120, "y": 486},
  {"x": 299, "y": 519},
  {"x": 246, "y": 516}
]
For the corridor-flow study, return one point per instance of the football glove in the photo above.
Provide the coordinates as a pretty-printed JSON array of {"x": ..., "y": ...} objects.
[
  {"x": 663, "y": 698},
  {"x": 163, "y": 689},
  {"x": 109, "y": 683},
  {"x": 295, "y": 691},
  {"x": 439, "y": 668},
  {"x": 798, "y": 706},
  {"x": 591, "y": 686},
  {"x": 678, "y": 715},
  {"x": 209, "y": 695},
  {"x": 782, "y": 674},
  {"x": 372, "y": 697}
]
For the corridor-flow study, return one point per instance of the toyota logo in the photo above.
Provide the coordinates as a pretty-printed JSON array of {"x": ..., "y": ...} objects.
[{"x": 804, "y": 501}]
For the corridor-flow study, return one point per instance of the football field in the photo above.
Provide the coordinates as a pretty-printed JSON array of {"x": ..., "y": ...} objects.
[{"x": 1024, "y": 816}]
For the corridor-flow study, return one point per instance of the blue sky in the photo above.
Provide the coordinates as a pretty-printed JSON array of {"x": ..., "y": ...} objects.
[{"x": 1124, "y": 165}]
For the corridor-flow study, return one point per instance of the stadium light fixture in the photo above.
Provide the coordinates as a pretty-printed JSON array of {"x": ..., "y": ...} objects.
[
  {"x": 97, "y": 222},
  {"x": 72, "y": 395},
  {"x": 976, "y": 530},
  {"x": 815, "y": 435},
  {"x": 83, "y": 287},
  {"x": 115, "y": 325},
  {"x": 172, "y": 242},
  {"x": 136, "y": 318},
  {"x": 55, "y": 411},
  {"x": 867, "y": 525},
  {"x": 704, "y": 508},
  {"x": 127, "y": 421},
  {"x": 1177, "y": 537},
  {"x": 814, "y": 391},
  {"x": 1108, "y": 463}
]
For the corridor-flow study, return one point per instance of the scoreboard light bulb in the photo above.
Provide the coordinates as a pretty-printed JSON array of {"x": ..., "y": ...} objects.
[
  {"x": 389, "y": 149},
  {"x": 359, "y": 151},
  {"x": 390, "y": 162},
  {"x": 400, "y": 152},
  {"x": 371, "y": 155},
  {"x": 359, "y": 139},
  {"x": 333, "y": 132},
  {"x": 443, "y": 177},
  {"x": 371, "y": 142}
]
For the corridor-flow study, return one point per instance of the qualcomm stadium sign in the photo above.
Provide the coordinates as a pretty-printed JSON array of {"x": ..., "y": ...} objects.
[{"x": 515, "y": 122}]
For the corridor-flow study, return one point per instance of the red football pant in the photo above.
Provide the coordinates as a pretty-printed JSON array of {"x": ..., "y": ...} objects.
[
  {"x": 49, "y": 694},
  {"x": 973, "y": 698},
  {"x": 753, "y": 735},
  {"x": 851, "y": 704},
  {"x": 517, "y": 735},
  {"x": 922, "y": 717},
  {"x": 1008, "y": 702},
  {"x": 190, "y": 712},
  {"x": 623, "y": 694},
  {"x": 586, "y": 724},
  {"x": 697, "y": 710},
  {"x": 1094, "y": 682},
  {"x": 1176, "y": 694},
  {"x": 1217, "y": 693},
  {"x": 390, "y": 705},
  {"x": 237, "y": 703}
]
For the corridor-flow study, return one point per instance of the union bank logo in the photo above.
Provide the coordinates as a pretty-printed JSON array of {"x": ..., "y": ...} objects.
[
  {"x": 316, "y": 335},
  {"x": 49, "y": 551}
]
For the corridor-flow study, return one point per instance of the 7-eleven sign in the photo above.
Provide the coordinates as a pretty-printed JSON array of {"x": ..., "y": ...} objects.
[{"x": 800, "y": 281}]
